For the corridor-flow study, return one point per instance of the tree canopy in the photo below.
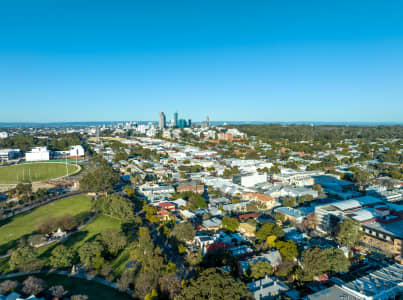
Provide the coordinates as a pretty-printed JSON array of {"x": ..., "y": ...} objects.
[
  {"x": 350, "y": 233},
  {"x": 215, "y": 284},
  {"x": 230, "y": 224},
  {"x": 269, "y": 229}
]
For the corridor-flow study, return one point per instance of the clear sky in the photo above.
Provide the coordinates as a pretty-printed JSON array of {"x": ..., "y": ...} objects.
[{"x": 284, "y": 60}]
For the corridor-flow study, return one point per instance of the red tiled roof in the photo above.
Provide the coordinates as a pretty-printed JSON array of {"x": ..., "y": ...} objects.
[
  {"x": 217, "y": 246},
  {"x": 248, "y": 216},
  {"x": 258, "y": 196}
]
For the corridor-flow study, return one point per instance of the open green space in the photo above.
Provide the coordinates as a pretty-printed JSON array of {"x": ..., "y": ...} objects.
[
  {"x": 25, "y": 224},
  {"x": 35, "y": 172},
  {"x": 89, "y": 232},
  {"x": 76, "y": 286}
]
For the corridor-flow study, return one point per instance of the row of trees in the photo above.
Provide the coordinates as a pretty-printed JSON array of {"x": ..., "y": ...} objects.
[
  {"x": 93, "y": 254},
  {"x": 54, "y": 142},
  {"x": 36, "y": 286},
  {"x": 100, "y": 177},
  {"x": 321, "y": 133},
  {"x": 115, "y": 206}
]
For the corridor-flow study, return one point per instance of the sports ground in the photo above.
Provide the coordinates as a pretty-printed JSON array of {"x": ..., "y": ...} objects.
[{"x": 35, "y": 172}]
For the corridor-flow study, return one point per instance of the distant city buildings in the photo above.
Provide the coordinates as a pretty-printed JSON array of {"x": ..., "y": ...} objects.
[
  {"x": 176, "y": 122},
  {"x": 175, "y": 125},
  {"x": 162, "y": 121}
]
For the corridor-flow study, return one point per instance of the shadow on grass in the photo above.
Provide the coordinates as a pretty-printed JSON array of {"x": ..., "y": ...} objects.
[{"x": 13, "y": 244}]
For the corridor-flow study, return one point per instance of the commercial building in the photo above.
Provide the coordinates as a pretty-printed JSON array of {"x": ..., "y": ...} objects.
[
  {"x": 330, "y": 213},
  {"x": 38, "y": 154},
  {"x": 385, "y": 235},
  {"x": 76, "y": 151},
  {"x": 176, "y": 120},
  {"x": 383, "y": 284},
  {"x": 9, "y": 154},
  {"x": 249, "y": 180},
  {"x": 162, "y": 121},
  {"x": 297, "y": 178}
]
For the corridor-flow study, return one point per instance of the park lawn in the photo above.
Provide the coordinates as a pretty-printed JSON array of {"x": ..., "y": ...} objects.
[
  {"x": 89, "y": 232},
  {"x": 119, "y": 263},
  {"x": 76, "y": 286},
  {"x": 25, "y": 224},
  {"x": 40, "y": 171}
]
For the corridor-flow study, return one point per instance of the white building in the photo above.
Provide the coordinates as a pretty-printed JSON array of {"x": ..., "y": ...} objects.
[
  {"x": 38, "y": 154},
  {"x": 297, "y": 178},
  {"x": 9, "y": 154},
  {"x": 249, "y": 180},
  {"x": 3, "y": 135},
  {"x": 77, "y": 150}
]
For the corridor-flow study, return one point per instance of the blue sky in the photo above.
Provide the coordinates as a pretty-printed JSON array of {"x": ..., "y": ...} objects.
[{"x": 233, "y": 60}]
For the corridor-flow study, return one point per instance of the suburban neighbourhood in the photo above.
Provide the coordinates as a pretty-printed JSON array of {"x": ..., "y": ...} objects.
[{"x": 167, "y": 210}]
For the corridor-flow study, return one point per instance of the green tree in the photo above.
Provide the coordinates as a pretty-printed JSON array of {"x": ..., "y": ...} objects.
[
  {"x": 230, "y": 224},
  {"x": 269, "y": 229},
  {"x": 194, "y": 258},
  {"x": 337, "y": 261},
  {"x": 288, "y": 249},
  {"x": 115, "y": 206},
  {"x": 152, "y": 296},
  {"x": 183, "y": 231},
  {"x": 91, "y": 254},
  {"x": 25, "y": 259},
  {"x": 100, "y": 178},
  {"x": 317, "y": 187},
  {"x": 113, "y": 240},
  {"x": 314, "y": 262},
  {"x": 350, "y": 233},
  {"x": 62, "y": 257},
  {"x": 271, "y": 241},
  {"x": 289, "y": 201},
  {"x": 151, "y": 213},
  {"x": 260, "y": 269},
  {"x": 214, "y": 284}
]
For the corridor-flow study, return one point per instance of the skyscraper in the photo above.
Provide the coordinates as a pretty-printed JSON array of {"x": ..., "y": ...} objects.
[
  {"x": 162, "y": 121},
  {"x": 176, "y": 119},
  {"x": 97, "y": 133},
  {"x": 207, "y": 121}
]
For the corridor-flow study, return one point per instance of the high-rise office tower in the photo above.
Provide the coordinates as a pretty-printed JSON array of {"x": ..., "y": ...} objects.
[
  {"x": 162, "y": 121},
  {"x": 182, "y": 123},
  {"x": 176, "y": 119},
  {"x": 97, "y": 133},
  {"x": 207, "y": 121},
  {"x": 189, "y": 123}
]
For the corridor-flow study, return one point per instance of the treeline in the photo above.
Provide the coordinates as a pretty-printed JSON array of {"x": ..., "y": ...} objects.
[
  {"x": 58, "y": 142},
  {"x": 323, "y": 132},
  {"x": 100, "y": 177}
]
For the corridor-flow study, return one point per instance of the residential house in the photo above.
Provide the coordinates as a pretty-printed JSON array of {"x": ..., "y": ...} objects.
[
  {"x": 263, "y": 199},
  {"x": 267, "y": 288}
]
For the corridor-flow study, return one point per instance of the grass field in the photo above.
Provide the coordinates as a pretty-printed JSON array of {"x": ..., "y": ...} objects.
[
  {"x": 34, "y": 172},
  {"x": 27, "y": 223},
  {"x": 89, "y": 232},
  {"x": 76, "y": 286}
]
